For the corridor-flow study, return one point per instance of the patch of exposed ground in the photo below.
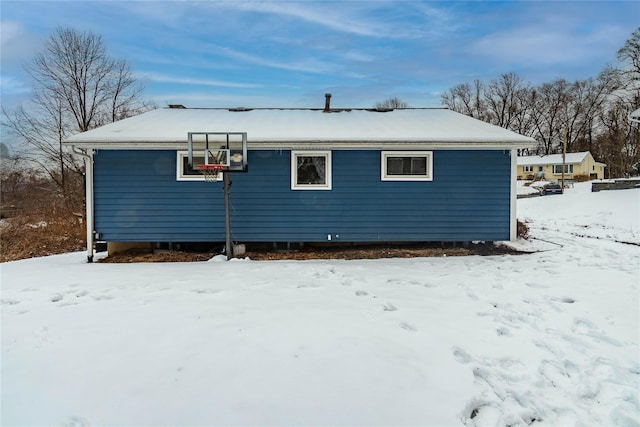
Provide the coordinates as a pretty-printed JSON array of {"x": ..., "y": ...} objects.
[
  {"x": 321, "y": 252},
  {"x": 39, "y": 235},
  {"x": 158, "y": 256}
]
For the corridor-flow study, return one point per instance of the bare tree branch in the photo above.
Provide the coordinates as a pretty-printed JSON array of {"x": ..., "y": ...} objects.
[{"x": 391, "y": 103}]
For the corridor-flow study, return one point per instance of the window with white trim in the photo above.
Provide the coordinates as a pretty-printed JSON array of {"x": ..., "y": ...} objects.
[
  {"x": 184, "y": 172},
  {"x": 557, "y": 169},
  {"x": 310, "y": 170},
  {"x": 528, "y": 168},
  {"x": 407, "y": 166}
]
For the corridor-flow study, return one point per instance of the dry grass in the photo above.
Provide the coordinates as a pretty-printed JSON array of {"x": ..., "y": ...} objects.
[
  {"x": 30, "y": 236},
  {"x": 158, "y": 256}
]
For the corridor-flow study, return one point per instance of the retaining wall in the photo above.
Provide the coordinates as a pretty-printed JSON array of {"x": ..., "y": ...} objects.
[{"x": 618, "y": 184}]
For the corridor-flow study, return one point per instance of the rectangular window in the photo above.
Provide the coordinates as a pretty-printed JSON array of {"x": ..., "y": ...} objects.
[
  {"x": 528, "y": 168},
  {"x": 311, "y": 170},
  {"x": 407, "y": 166},
  {"x": 557, "y": 169},
  {"x": 184, "y": 172}
]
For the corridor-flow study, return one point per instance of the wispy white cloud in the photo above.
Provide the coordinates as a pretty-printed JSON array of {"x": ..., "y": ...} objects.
[
  {"x": 226, "y": 100},
  {"x": 359, "y": 18},
  {"x": 307, "y": 64},
  {"x": 17, "y": 44},
  {"x": 12, "y": 86},
  {"x": 163, "y": 78},
  {"x": 530, "y": 45},
  {"x": 550, "y": 39},
  {"x": 10, "y": 31}
]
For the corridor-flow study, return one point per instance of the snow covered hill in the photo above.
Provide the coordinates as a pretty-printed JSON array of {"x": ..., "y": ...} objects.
[{"x": 545, "y": 339}]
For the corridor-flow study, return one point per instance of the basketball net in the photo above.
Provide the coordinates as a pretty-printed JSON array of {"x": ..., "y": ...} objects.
[{"x": 210, "y": 172}]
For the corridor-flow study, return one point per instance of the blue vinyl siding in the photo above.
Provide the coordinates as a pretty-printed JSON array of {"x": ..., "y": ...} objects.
[{"x": 137, "y": 198}]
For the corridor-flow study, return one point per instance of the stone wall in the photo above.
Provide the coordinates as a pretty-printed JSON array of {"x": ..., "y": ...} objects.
[{"x": 618, "y": 184}]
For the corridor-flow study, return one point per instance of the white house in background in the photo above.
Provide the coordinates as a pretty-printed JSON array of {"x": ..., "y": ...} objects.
[{"x": 549, "y": 167}]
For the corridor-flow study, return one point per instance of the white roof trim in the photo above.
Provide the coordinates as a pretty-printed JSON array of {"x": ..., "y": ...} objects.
[
  {"x": 552, "y": 159},
  {"x": 317, "y": 145}
]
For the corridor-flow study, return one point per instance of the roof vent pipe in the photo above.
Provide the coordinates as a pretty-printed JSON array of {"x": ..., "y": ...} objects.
[{"x": 327, "y": 102}]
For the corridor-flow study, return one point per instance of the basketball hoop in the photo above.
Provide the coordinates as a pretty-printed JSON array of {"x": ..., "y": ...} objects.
[{"x": 210, "y": 172}]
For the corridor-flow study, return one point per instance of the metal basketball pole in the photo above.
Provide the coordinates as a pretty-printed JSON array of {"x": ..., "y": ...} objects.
[{"x": 227, "y": 218}]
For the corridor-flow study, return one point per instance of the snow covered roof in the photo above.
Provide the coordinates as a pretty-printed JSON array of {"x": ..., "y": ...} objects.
[
  {"x": 553, "y": 159},
  {"x": 282, "y": 128}
]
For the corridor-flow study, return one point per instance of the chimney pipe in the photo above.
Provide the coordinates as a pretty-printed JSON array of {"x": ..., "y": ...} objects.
[{"x": 327, "y": 102}]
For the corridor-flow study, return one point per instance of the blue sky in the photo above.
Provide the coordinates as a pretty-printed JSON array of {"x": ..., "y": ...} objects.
[{"x": 289, "y": 53}]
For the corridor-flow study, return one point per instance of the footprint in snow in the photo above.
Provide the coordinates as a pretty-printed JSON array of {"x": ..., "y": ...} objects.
[
  {"x": 535, "y": 285},
  {"x": 472, "y": 296},
  {"x": 503, "y": 332},
  {"x": 389, "y": 307},
  {"x": 408, "y": 327},
  {"x": 308, "y": 285},
  {"x": 460, "y": 355},
  {"x": 206, "y": 291},
  {"x": 77, "y": 422},
  {"x": 362, "y": 293},
  {"x": 56, "y": 298}
]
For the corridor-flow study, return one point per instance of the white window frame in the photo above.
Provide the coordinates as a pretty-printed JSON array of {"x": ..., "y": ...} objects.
[
  {"x": 528, "y": 168},
  {"x": 180, "y": 175},
  {"x": 383, "y": 166},
  {"x": 557, "y": 169},
  {"x": 294, "y": 169}
]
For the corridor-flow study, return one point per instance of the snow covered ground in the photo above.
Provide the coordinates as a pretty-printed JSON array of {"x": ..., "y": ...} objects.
[{"x": 545, "y": 339}]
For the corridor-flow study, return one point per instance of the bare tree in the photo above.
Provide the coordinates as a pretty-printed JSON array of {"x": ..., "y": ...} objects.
[
  {"x": 124, "y": 95},
  {"x": 76, "y": 68},
  {"x": 43, "y": 130},
  {"x": 549, "y": 114},
  {"x": 618, "y": 141},
  {"x": 504, "y": 100},
  {"x": 391, "y": 103},
  {"x": 629, "y": 56},
  {"x": 77, "y": 86},
  {"x": 466, "y": 99}
]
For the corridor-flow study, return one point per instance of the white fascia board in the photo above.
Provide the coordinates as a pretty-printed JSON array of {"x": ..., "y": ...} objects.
[{"x": 316, "y": 145}]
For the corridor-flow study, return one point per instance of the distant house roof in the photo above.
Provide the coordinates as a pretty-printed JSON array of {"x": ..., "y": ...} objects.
[
  {"x": 554, "y": 159},
  {"x": 280, "y": 128}
]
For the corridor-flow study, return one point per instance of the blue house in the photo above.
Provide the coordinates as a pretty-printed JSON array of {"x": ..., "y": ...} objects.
[{"x": 314, "y": 175}]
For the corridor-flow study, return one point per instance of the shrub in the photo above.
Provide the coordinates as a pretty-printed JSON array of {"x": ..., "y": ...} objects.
[
  {"x": 523, "y": 230},
  {"x": 38, "y": 217},
  {"x": 581, "y": 178}
]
